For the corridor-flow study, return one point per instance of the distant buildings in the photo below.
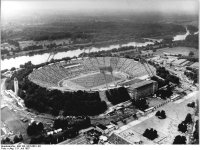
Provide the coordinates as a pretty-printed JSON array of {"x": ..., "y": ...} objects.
[
  {"x": 146, "y": 53},
  {"x": 178, "y": 62},
  {"x": 195, "y": 65},
  {"x": 44, "y": 44},
  {"x": 7, "y": 47}
]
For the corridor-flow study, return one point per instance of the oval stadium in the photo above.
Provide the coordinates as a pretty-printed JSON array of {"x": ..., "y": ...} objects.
[{"x": 89, "y": 74}]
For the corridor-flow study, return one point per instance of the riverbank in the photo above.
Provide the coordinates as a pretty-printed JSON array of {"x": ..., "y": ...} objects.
[
  {"x": 74, "y": 51},
  {"x": 96, "y": 44},
  {"x": 70, "y": 47}
]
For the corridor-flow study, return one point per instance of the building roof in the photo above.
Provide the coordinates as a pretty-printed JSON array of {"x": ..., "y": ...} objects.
[
  {"x": 179, "y": 61},
  {"x": 141, "y": 84},
  {"x": 102, "y": 127},
  {"x": 185, "y": 63},
  {"x": 195, "y": 65},
  {"x": 130, "y": 82},
  {"x": 110, "y": 126}
]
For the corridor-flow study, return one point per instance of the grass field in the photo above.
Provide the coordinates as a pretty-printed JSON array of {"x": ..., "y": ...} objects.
[
  {"x": 12, "y": 121},
  {"x": 178, "y": 50},
  {"x": 94, "y": 80}
]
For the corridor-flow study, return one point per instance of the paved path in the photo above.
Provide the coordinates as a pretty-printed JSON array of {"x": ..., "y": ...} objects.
[{"x": 193, "y": 94}]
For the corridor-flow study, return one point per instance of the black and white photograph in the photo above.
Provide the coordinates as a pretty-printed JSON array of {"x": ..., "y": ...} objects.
[{"x": 99, "y": 72}]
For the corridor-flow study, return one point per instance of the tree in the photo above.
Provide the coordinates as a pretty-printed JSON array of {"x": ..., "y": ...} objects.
[
  {"x": 124, "y": 121},
  {"x": 141, "y": 104},
  {"x": 40, "y": 127},
  {"x": 162, "y": 114},
  {"x": 191, "y": 104},
  {"x": 37, "y": 140},
  {"x": 196, "y": 132},
  {"x": 30, "y": 130},
  {"x": 196, "y": 135},
  {"x": 158, "y": 113},
  {"x": 135, "y": 116},
  {"x": 17, "y": 138},
  {"x": 12, "y": 69},
  {"x": 167, "y": 40},
  {"x": 6, "y": 141},
  {"x": 182, "y": 127},
  {"x": 60, "y": 123},
  {"x": 150, "y": 134},
  {"x": 179, "y": 140},
  {"x": 34, "y": 128},
  {"x": 188, "y": 119},
  {"x": 191, "y": 53}
]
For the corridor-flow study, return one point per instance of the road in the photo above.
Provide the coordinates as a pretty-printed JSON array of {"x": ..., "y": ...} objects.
[
  {"x": 11, "y": 103},
  {"x": 6, "y": 100}
]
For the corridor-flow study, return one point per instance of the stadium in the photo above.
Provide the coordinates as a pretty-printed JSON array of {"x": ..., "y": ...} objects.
[{"x": 89, "y": 73}]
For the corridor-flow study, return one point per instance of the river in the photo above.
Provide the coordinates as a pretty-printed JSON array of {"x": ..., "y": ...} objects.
[
  {"x": 182, "y": 36},
  {"x": 41, "y": 58}
]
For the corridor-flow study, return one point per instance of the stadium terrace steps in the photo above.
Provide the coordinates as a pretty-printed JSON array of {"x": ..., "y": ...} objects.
[{"x": 50, "y": 75}]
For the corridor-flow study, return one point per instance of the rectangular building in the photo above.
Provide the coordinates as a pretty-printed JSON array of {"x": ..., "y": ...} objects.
[
  {"x": 179, "y": 61},
  {"x": 195, "y": 65},
  {"x": 143, "y": 89}
]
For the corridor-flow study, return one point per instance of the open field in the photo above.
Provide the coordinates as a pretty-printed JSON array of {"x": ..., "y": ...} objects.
[
  {"x": 177, "y": 50},
  {"x": 94, "y": 80},
  {"x": 90, "y": 81},
  {"x": 155, "y": 102},
  {"x": 12, "y": 121},
  {"x": 167, "y": 128}
]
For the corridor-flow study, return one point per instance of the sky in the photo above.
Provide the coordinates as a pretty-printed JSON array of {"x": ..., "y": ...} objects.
[{"x": 15, "y": 7}]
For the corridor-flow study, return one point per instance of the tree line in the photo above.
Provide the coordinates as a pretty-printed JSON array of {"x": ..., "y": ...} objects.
[
  {"x": 119, "y": 95},
  {"x": 54, "y": 101},
  {"x": 192, "y": 74},
  {"x": 70, "y": 126},
  {"x": 165, "y": 74}
]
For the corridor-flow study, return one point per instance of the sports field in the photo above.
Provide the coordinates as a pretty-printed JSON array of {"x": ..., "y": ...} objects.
[
  {"x": 12, "y": 121},
  {"x": 90, "y": 81}
]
